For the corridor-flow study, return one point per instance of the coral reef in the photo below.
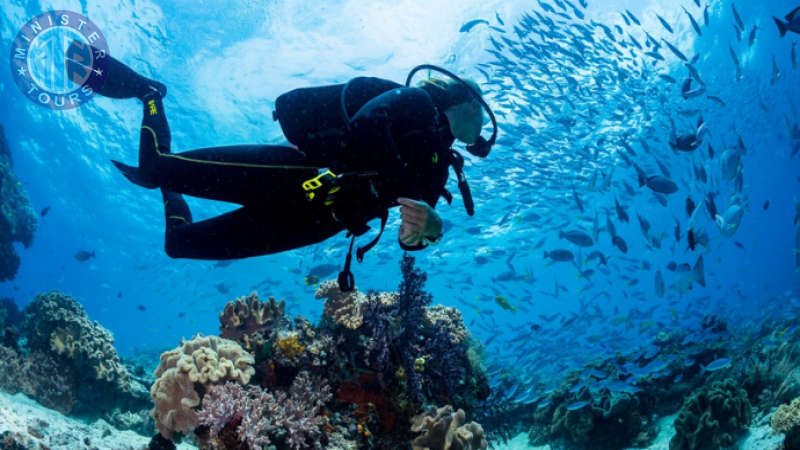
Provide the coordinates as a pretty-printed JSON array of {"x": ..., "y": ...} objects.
[
  {"x": 786, "y": 421},
  {"x": 443, "y": 430},
  {"x": 448, "y": 318},
  {"x": 10, "y": 370},
  {"x": 338, "y": 384},
  {"x": 199, "y": 361},
  {"x": 711, "y": 417},
  {"x": 77, "y": 356},
  {"x": 56, "y": 323},
  {"x": 254, "y": 415},
  {"x": 249, "y": 315},
  {"x": 345, "y": 308},
  {"x": 18, "y": 221}
]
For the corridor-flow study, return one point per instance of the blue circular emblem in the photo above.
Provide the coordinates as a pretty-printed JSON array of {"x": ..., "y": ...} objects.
[{"x": 59, "y": 59}]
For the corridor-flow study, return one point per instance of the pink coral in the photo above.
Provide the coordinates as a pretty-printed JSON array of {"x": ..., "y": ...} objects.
[
  {"x": 297, "y": 414},
  {"x": 204, "y": 360}
]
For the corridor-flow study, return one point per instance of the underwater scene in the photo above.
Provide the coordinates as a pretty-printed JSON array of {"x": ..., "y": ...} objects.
[{"x": 442, "y": 225}]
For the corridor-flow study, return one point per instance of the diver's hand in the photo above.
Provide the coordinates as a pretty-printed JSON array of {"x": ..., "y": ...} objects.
[{"x": 419, "y": 219}]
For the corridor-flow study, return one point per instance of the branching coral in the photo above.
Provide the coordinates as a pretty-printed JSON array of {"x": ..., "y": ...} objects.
[
  {"x": 201, "y": 360},
  {"x": 786, "y": 421},
  {"x": 443, "y": 430},
  {"x": 248, "y": 315},
  {"x": 258, "y": 414},
  {"x": 711, "y": 417}
]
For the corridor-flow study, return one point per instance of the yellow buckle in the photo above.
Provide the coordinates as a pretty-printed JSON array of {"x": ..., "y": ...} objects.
[{"x": 315, "y": 183}]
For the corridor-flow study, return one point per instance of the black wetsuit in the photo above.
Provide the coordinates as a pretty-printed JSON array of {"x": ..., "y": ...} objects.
[{"x": 399, "y": 134}]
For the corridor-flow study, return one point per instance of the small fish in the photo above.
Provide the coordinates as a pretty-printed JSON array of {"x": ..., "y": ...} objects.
[
  {"x": 83, "y": 256},
  {"x": 181, "y": 314},
  {"x": 662, "y": 184},
  {"x": 667, "y": 78},
  {"x": 695, "y": 25},
  {"x": 119, "y": 294},
  {"x": 664, "y": 23},
  {"x": 473, "y": 230},
  {"x": 576, "y": 406},
  {"x": 620, "y": 243},
  {"x": 718, "y": 101},
  {"x": 560, "y": 255},
  {"x": 578, "y": 238},
  {"x": 752, "y": 39},
  {"x": 737, "y": 17},
  {"x": 766, "y": 205},
  {"x": 505, "y": 304},
  {"x": 685, "y": 276},
  {"x": 221, "y": 264},
  {"x": 499, "y": 20},
  {"x": 322, "y": 270},
  {"x": 718, "y": 364},
  {"x": 44, "y": 211},
  {"x": 676, "y": 52},
  {"x": 141, "y": 307},
  {"x": 633, "y": 18},
  {"x": 775, "y": 72},
  {"x": 733, "y": 55},
  {"x": 222, "y": 288},
  {"x": 659, "y": 283},
  {"x": 468, "y": 26},
  {"x": 705, "y": 15},
  {"x": 311, "y": 280}
]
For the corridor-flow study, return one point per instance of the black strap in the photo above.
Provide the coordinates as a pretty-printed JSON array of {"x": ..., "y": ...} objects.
[
  {"x": 346, "y": 279},
  {"x": 361, "y": 251},
  {"x": 457, "y": 161}
]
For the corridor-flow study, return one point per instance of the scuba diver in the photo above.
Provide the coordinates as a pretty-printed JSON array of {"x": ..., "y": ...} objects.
[{"x": 357, "y": 150}]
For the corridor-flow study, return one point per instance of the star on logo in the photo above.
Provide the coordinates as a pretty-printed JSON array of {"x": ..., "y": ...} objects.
[
  {"x": 21, "y": 71},
  {"x": 98, "y": 72}
]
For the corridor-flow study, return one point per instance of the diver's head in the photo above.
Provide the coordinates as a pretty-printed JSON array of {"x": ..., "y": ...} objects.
[{"x": 459, "y": 104}]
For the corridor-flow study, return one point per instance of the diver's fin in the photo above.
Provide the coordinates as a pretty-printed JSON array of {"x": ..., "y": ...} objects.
[
  {"x": 124, "y": 82},
  {"x": 132, "y": 174}
]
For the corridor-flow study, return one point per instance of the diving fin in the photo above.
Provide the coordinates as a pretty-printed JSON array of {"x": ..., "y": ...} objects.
[
  {"x": 132, "y": 174},
  {"x": 124, "y": 82}
]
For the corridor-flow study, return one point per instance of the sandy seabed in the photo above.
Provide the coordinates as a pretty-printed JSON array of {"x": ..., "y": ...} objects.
[
  {"x": 41, "y": 425},
  {"x": 758, "y": 437},
  {"x": 48, "y": 429}
]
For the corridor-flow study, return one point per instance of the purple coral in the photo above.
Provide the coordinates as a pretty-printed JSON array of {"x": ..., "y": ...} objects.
[
  {"x": 407, "y": 314},
  {"x": 298, "y": 414}
]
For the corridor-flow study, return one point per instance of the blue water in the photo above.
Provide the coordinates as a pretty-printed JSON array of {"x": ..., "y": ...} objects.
[{"x": 225, "y": 64}]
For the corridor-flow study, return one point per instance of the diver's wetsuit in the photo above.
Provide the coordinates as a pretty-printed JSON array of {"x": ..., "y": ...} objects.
[{"x": 399, "y": 134}]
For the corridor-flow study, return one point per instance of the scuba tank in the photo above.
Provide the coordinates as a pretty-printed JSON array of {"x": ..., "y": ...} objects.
[{"x": 316, "y": 119}]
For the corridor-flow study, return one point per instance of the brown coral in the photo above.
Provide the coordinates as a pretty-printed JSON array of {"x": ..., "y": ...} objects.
[
  {"x": 200, "y": 360},
  {"x": 444, "y": 430},
  {"x": 346, "y": 308},
  {"x": 451, "y": 319},
  {"x": 56, "y": 323},
  {"x": 248, "y": 315},
  {"x": 786, "y": 420}
]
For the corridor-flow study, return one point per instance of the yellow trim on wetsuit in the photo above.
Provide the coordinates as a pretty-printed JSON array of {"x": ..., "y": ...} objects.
[{"x": 221, "y": 163}]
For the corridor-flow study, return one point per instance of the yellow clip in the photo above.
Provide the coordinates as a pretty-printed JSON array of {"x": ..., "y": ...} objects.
[{"x": 315, "y": 182}]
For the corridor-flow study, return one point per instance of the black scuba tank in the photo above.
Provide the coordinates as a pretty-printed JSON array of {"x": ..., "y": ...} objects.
[{"x": 314, "y": 118}]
